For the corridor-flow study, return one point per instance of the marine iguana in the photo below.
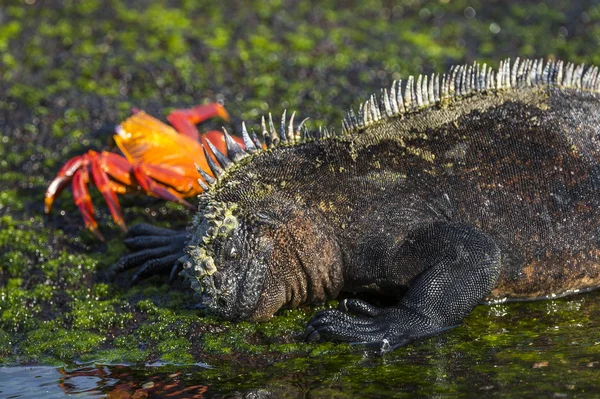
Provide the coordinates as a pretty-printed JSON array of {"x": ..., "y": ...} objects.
[{"x": 474, "y": 186}]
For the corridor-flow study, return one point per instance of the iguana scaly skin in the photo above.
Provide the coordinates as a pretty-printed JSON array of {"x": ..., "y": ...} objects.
[{"x": 481, "y": 187}]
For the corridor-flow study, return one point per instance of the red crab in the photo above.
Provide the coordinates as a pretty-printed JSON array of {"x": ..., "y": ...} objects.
[{"x": 159, "y": 159}]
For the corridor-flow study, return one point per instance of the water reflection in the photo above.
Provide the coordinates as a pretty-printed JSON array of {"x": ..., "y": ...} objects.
[
  {"x": 97, "y": 382},
  {"x": 34, "y": 382}
]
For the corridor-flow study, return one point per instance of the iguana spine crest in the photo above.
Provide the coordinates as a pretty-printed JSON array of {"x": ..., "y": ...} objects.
[
  {"x": 429, "y": 90},
  {"x": 465, "y": 80}
]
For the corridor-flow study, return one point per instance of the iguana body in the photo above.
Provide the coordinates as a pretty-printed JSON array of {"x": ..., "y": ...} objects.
[{"x": 483, "y": 187}]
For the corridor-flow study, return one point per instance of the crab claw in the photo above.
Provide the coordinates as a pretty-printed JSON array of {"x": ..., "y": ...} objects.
[
  {"x": 62, "y": 179},
  {"x": 148, "y": 184}
]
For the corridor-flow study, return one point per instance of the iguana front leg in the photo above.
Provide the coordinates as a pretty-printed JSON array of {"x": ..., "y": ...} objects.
[
  {"x": 461, "y": 265},
  {"x": 156, "y": 250}
]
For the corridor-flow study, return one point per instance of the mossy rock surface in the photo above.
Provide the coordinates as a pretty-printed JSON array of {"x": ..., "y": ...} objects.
[{"x": 71, "y": 70}]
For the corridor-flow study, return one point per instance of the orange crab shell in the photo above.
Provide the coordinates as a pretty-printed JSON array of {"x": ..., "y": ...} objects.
[
  {"x": 143, "y": 138},
  {"x": 159, "y": 159}
]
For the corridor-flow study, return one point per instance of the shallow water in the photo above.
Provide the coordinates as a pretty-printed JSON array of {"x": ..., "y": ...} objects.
[
  {"x": 97, "y": 382},
  {"x": 537, "y": 349}
]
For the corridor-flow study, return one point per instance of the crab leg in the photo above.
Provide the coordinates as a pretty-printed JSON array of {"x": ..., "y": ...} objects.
[
  {"x": 185, "y": 120},
  {"x": 117, "y": 187},
  {"x": 104, "y": 186},
  {"x": 62, "y": 179},
  {"x": 82, "y": 198},
  {"x": 117, "y": 166},
  {"x": 153, "y": 188},
  {"x": 176, "y": 179}
]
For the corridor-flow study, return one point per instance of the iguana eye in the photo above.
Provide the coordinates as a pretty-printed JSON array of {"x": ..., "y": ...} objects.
[{"x": 233, "y": 252}]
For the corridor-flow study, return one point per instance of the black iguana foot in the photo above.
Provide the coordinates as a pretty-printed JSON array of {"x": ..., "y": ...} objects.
[
  {"x": 375, "y": 328},
  {"x": 156, "y": 250}
]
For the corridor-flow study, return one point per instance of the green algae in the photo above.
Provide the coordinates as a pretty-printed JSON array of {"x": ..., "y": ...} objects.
[
  {"x": 51, "y": 341},
  {"x": 66, "y": 82},
  {"x": 98, "y": 315}
]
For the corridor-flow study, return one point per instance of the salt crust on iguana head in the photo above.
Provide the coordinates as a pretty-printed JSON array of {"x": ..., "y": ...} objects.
[{"x": 219, "y": 222}]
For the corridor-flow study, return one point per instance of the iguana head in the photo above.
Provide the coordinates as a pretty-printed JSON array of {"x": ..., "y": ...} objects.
[
  {"x": 254, "y": 247},
  {"x": 248, "y": 263},
  {"x": 226, "y": 262}
]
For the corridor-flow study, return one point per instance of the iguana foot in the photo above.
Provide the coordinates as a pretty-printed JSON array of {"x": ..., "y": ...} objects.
[
  {"x": 156, "y": 250},
  {"x": 375, "y": 328}
]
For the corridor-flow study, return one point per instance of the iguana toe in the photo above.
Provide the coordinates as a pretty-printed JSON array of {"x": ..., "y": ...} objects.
[
  {"x": 358, "y": 307},
  {"x": 333, "y": 325}
]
